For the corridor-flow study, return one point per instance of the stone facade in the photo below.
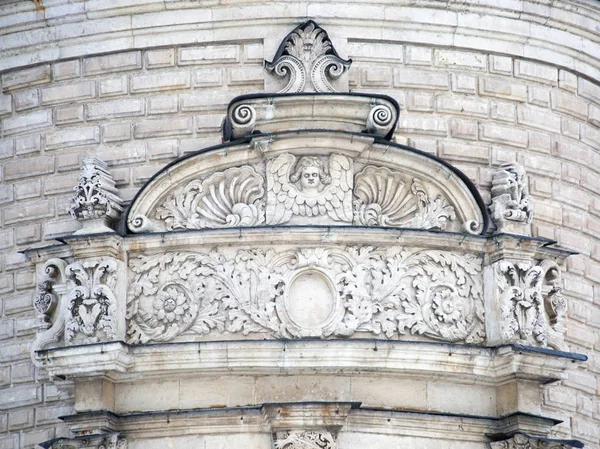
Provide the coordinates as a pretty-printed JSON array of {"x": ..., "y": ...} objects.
[{"x": 480, "y": 84}]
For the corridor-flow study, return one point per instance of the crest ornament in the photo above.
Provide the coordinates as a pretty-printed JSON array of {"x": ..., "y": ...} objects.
[
  {"x": 511, "y": 208},
  {"x": 96, "y": 203},
  {"x": 307, "y": 56}
]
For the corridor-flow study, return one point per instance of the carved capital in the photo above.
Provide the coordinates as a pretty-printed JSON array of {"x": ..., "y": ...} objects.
[
  {"x": 522, "y": 441},
  {"x": 96, "y": 203},
  {"x": 104, "y": 441},
  {"x": 308, "y": 58},
  {"x": 511, "y": 208},
  {"x": 532, "y": 304}
]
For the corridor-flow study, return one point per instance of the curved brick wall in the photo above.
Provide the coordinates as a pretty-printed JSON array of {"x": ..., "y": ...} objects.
[{"x": 479, "y": 82}]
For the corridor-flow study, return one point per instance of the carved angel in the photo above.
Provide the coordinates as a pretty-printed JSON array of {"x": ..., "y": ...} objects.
[{"x": 308, "y": 188}]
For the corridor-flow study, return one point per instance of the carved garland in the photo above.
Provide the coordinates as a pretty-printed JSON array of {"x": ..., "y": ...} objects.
[
  {"x": 305, "y": 439},
  {"x": 360, "y": 289}
]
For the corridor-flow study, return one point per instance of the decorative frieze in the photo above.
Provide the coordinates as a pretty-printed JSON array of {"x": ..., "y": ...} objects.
[
  {"x": 511, "y": 208},
  {"x": 308, "y": 58},
  {"x": 305, "y": 439},
  {"x": 522, "y": 441},
  {"x": 308, "y": 292},
  {"x": 532, "y": 304},
  {"x": 96, "y": 203}
]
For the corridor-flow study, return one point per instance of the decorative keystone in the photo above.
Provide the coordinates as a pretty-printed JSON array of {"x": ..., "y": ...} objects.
[
  {"x": 96, "y": 204},
  {"x": 511, "y": 208},
  {"x": 308, "y": 57}
]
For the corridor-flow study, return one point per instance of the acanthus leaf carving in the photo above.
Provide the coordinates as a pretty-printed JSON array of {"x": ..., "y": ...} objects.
[
  {"x": 229, "y": 198},
  {"x": 96, "y": 202},
  {"x": 91, "y": 301},
  {"x": 359, "y": 289},
  {"x": 522, "y": 441},
  {"x": 305, "y": 439},
  {"x": 533, "y": 306},
  {"x": 511, "y": 208},
  {"x": 311, "y": 186},
  {"x": 307, "y": 56},
  {"x": 388, "y": 198}
]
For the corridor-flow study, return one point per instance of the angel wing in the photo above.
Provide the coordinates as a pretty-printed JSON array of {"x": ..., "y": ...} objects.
[
  {"x": 280, "y": 191},
  {"x": 338, "y": 194}
]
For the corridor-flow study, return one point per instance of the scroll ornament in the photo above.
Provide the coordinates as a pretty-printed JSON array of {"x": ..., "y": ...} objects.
[
  {"x": 512, "y": 209},
  {"x": 96, "y": 203},
  {"x": 533, "y": 306},
  {"x": 307, "y": 56},
  {"x": 354, "y": 290},
  {"x": 305, "y": 439},
  {"x": 522, "y": 441}
]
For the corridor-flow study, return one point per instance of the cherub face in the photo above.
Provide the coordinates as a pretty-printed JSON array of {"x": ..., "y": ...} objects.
[{"x": 310, "y": 178}]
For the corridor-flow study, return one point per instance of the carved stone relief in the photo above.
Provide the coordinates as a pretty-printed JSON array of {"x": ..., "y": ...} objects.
[
  {"x": 309, "y": 187},
  {"x": 522, "y": 441},
  {"x": 353, "y": 290},
  {"x": 511, "y": 208},
  {"x": 533, "y": 306},
  {"x": 103, "y": 441},
  {"x": 96, "y": 203},
  {"x": 307, "y": 56},
  {"x": 46, "y": 299},
  {"x": 305, "y": 439},
  {"x": 304, "y": 190}
]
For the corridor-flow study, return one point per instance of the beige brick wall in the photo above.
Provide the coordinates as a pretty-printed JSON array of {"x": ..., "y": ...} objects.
[{"x": 144, "y": 93}]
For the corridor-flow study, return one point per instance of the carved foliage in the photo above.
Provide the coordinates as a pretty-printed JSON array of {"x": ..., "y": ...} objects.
[
  {"x": 521, "y": 441},
  {"x": 532, "y": 303},
  {"x": 510, "y": 196},
  {"x": 431, "y": 293},
  {"x": 309, "y": 187},
  {"x": 388, "y": 198},
  {"x": 229, "y": 198},
  {"x": 103, "y": 441},
  {"x": 91, "y": 302},
  {"x": 46, "y": 299},
  {"x": 96, "y": 196},
  {"x": 305, "y": 439},
  {"x": 307, "y": 54}
]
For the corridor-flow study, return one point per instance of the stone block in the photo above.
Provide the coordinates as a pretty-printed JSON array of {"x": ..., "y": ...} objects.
[
  {"x": 248, "y": 75},
  {"x": 20, "y": 396},
  {"x": 163, "y": 104},
  {"x": 540, "y": 186},
  {"x": 160, "y": 58},
  {"x": 14, "y": 260},
  {"x": 163, "y": 127},
  {"x": 420, "y": 101},
  {"x": 122, "y": 154},
  {"x": 114, "y": 86},
  {"x": 18, "y": 303},
  {"x": 116, "y": 132},
  {"x": 28, "y": 234},
  {"x": 423, "y": 124},
  {"x": 539, "y": 96},
  {"x": 452, "y": 397},
  {"x": 573, "y": 152},
  {"x": 6, "y": 239},
  {"x": 69, "y": 114},
  {"x": 7, "y": 148},
  {"x": 66, "y": 70},
  {"x": 156, "y": 82},
  {"x": 254, "y": 52},
  {"x": 571, "y": 195},
  {"x": 536, "y": 72},
  {"x": 209, "y": 54},
  {"x": 461, "y": 59},
  {"x": 207, "y": 77},
  {"x": 502, "y": 111},
  {"x": 5, "y": 104},
  {"x": 567, "y": 80},
  {"x": 135, "y": 396},
  {"x": 589, "y": 90},
  {"x": 419, "y": 55},
  {"x": 538, "y": 118},
  {"x": 25, "y": 326},
  {"x": 73, "y": 137},
  {"x": 28, "y": 144},
  {"x": 22, "y": 372},
  {"x": 456, "y": 151},
  {"x": 141, "y": 175},
  {"x": 68, "y": 93},
  {"x": 28, "y": 210},
  {"x": 28, "y": 167},
  {"x": 31, "y": 438},
  {"x": 375, "y": 51},
  {"x": 165, "y": 149},
  {"x": 500, "y": 88},
  {"x": 26, "y": 78},
  {"x": 120, "y": 62},
  {"x": 6, "y": 285},
  {"x": 590, "y": 136},
  {"x": 68, "y": 162},
  {"x": 594, "y": 115},
  {"x": 26, "y": 99},
  {"x": 549, "y": 212},
  {"x": 540, "y": 142},
  {"x": 27, "y": 122},
  {"x": 570, "y": 128},
  {"x": 208, "y": 123},
  {"x": 495, "y": 133},
  {"x": 502, "y": 65},
  {"x": 10, "y": 441},
  {"x": 50, "y": 414},
  {"x": 115, "y": 108},
  {"x": 413, "y": 78},
  {"x": 28, "y": 189},
  {"x": 560, "y": 397},
  {"x": 209, "y": 99},
  {"x": 569, "y": 104},
  {"x": 464, "y": 83},
  {"x": 7, "y": 193},
  {"x": 475, "y": 107},
  {"x": 7, "y": 325},
  {"x": 464, "y": 129}
]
